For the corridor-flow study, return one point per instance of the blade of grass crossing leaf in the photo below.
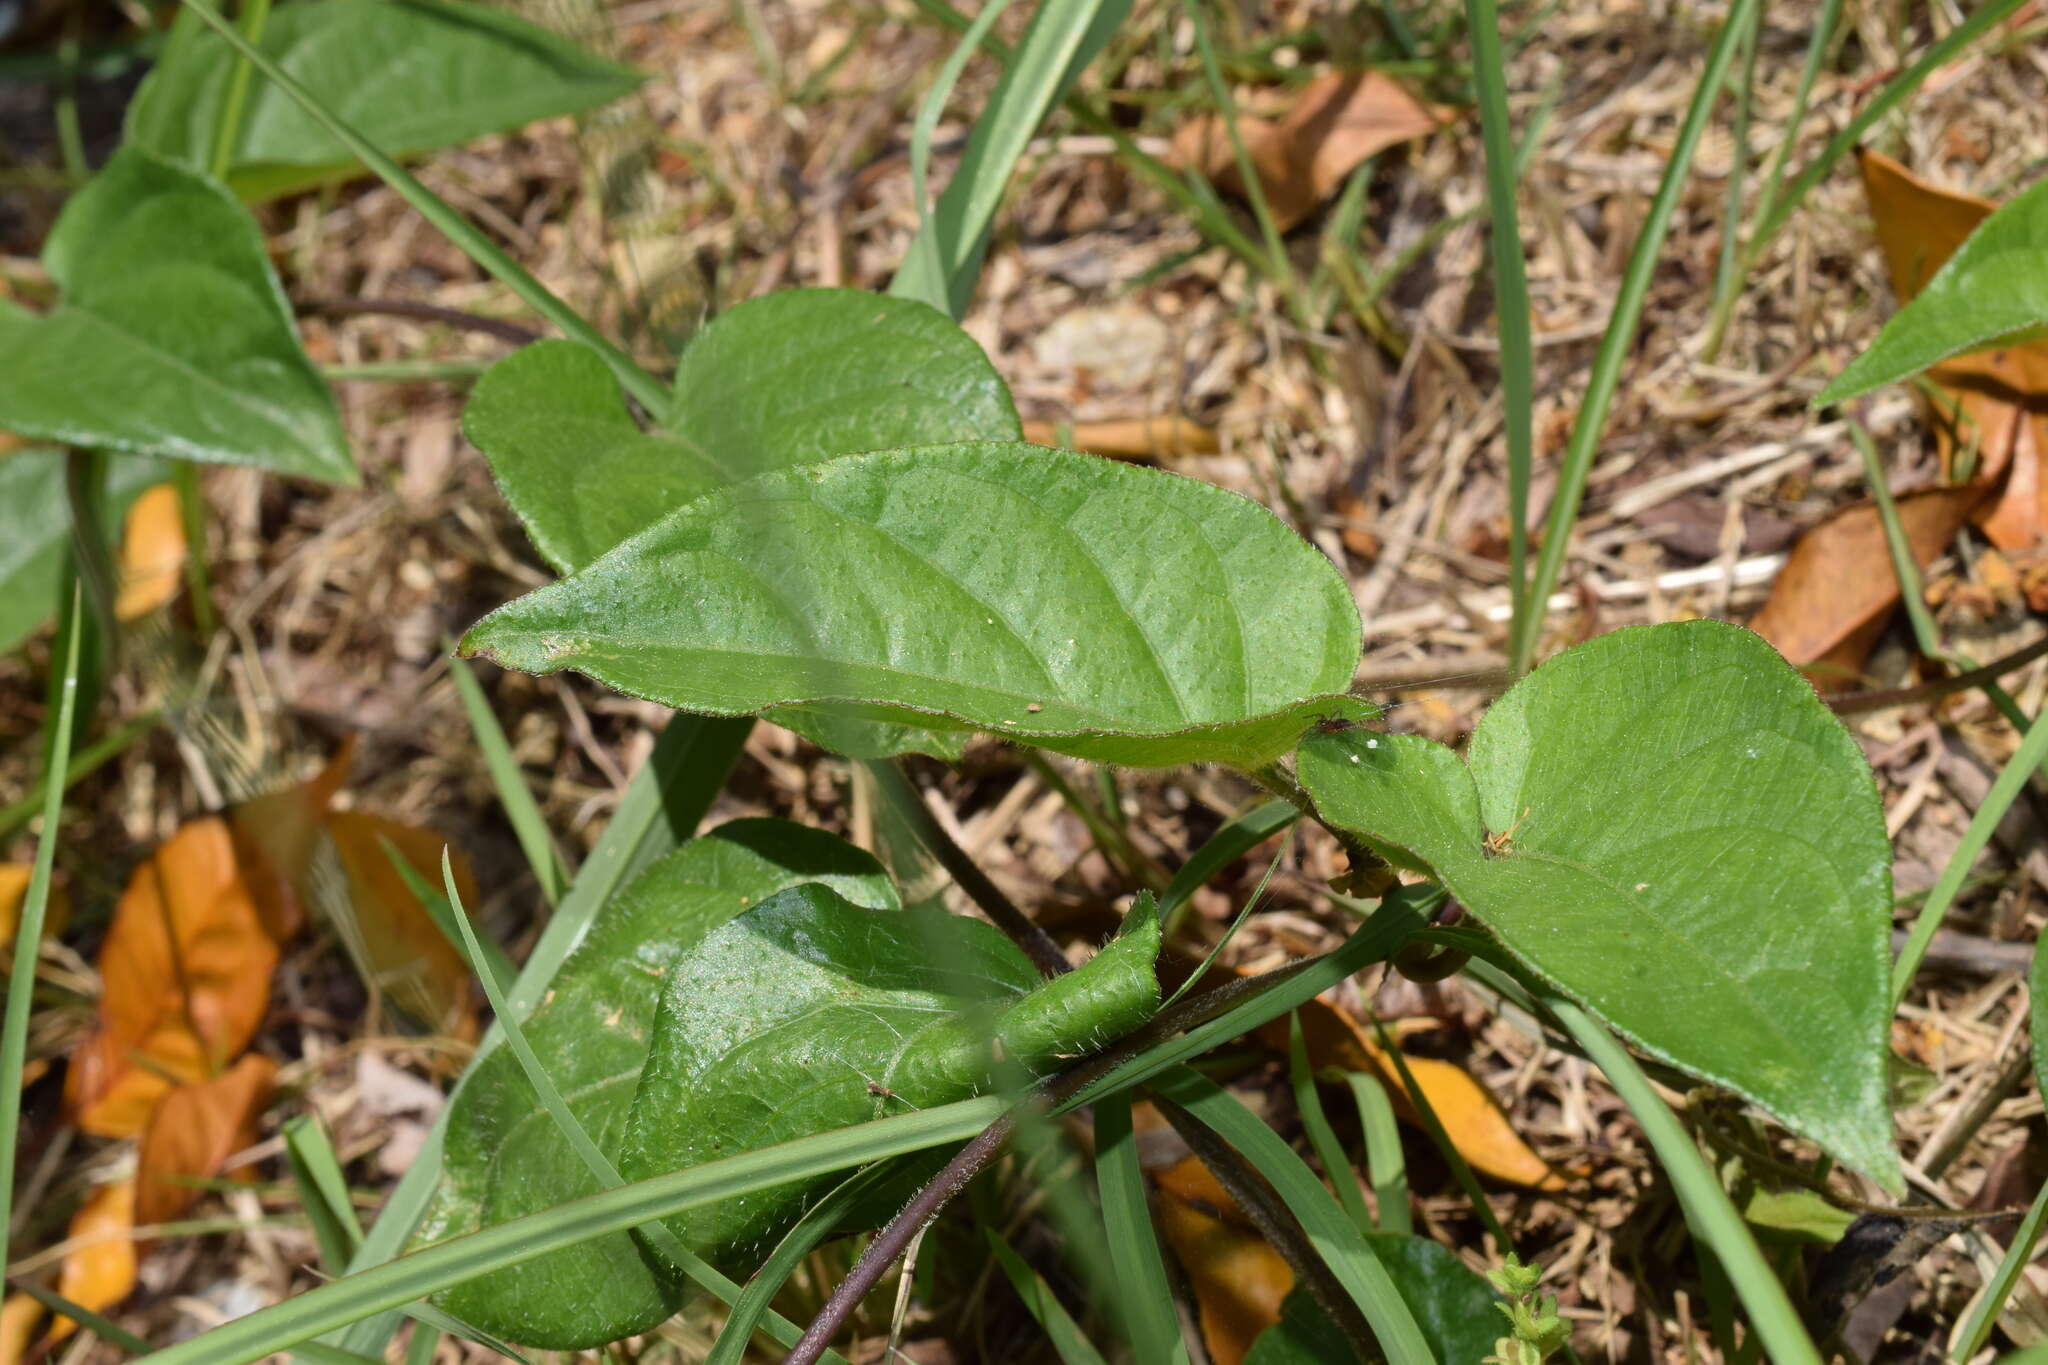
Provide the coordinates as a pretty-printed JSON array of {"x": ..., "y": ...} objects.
[
  {"x": 644, "y": 387},
  {"x": 1386, "y": 1165},
  {"x": 1977, "y": 1330},
  {"x": 28, "y": 929},
  {"x": 510, "y": 781},
  {"x": 820, "y": 1221},
  {"x": 323, "y": 1191},
  {"x": 107, "y": 1330},
  {"x": 1065, "y": 1335},
  {"x": 2004, "y": 791},
  {"x": 1143, "y": 1293},
  {"x": 928, "y": 238},
  {"x": 1511, "y": 302},
  {"x": 1321, "y": 1136},
  {"x": 1619, "y": 338},
  {"x": 663, "y": 803},
  {"x": 1350, "y": 1258},
  {"x": 1713, "y": 1218},
  {"x": 572, "y": 1129},
  {"x": 491, "y": 964},
  {"x": 1433, "y": 1124}
]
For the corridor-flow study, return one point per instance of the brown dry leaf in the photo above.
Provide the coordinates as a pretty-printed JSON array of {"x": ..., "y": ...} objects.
[
  {"x": 14, "y": 880},
  {"x": 193, "y": 1132},
  {"x": 152, "y": 553},
  {"x": 1238, "y": 1280},
  {"x": 100, "y": 1273},
  {"x": 1336, "y": 121},
  {"x": 409, "y": 957},
  {"x": 185, "y": 973},
  {"x": 1129, "y": 438},
  {"x": 19, "y": 1318},
  {"x": 1837, "y": 589},
  {"x": 1468, "y": 1111},
  {"x": 1998, "y": 400},
  {"x": 275, "y": 836}
]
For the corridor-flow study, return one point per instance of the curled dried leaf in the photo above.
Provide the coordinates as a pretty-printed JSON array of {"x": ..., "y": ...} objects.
[
  {"x": 99, "y": 1271},
  {"x": 193, "y": 1132}
]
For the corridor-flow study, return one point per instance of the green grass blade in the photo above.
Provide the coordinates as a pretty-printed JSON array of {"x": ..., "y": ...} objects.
[
  {"x": 1223, "y": 848},
  {"x": 107, "y": 1330},
  {"x": 2004, "y": 791},
  {"x": 493, "y": 966},
  {"x": 1912, "y": 595},
  {"x": 1350, "y": 1258},
  {"x": 510, "y": 782},
  {"x": 1276, "y": 262},
  {"x": 661, "y": 808},
  {"x": 2007, "y": 1277},
  {"x": 1143, "y": 1292},
  {"x": 1068, "y": 1341},
  {"x": 28, "y": 930},
  {"x": 1433, "y": 1124},
  {"x": 1728, "y": 271},
  {"x": 460, "y": 1259},
  {"x": 927, "y": 240},
  {"x": 1937, "y": 55},
  {"x": 323, "y": 1191},
  {"x": 945, "y": 259},
  {"x": 644, "y": 387},
  {"x": 1237, "y": 922},
  {"x": 748, "y": 1309},
  {"x": 1619, "y": 338},
  {"x": 255, "y": 14},
  {"x": 1712, "y": 1217},
  {"x": 1321, "y": 1136},
  {"x": 1386, "y": 1165},
  {"x": 1511, "y": 302}
]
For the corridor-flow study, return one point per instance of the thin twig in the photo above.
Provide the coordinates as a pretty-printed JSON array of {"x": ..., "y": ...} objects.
[
  {"x": 1856, "y": 702},
  {"x": 423, "y": 312},
  {"x": 1038, "y": 945}
]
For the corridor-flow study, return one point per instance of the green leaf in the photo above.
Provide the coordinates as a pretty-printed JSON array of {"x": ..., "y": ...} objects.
[
  {"x": 1684, "y": 840},
  {"x": 1100, "y": 609},
  {"x": 1992, "y": 292},
  {"x": 410, "y": 75},
  {"x": 788, "y": 379},
  {"x": 809, "y": 1013},
  {"x": 173, "y": 337},
  {"x": 35, "y": 529},
  {"x": 504, "y": 1157},
  {"x": 1452, "y": 1304}
]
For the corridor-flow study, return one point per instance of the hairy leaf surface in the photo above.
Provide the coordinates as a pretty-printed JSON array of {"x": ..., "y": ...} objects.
[
  {"x": 1072, "y": 602},
  {"x": 409, "y": 75},
  {"x": 809, "y": 1013},
  {"x": 173, "y": 337},
  {"x": 1992, "y": 292},
  {"x": 788, "y": 379},
  {"x": 505, "y": 1157},
  {"x": 1668, "y": 825}
]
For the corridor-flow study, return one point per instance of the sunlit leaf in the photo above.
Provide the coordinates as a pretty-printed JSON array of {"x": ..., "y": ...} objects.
[
  {"x": 410, "y": 75},
  {"x": 195, "y": 1129},
  {"x": 1083, "y": 605},
  {"x": 185, "y": 980},
  {"x": 1667, "y": 824},
  {"x": 173, "y": 337}
]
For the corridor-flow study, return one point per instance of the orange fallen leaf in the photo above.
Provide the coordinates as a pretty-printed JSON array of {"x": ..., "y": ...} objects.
[
  {"x": 1133, "y": 438},
  {"x": 275, "y": 836},
  {"x": 185, "y": 974},
  {"x": 1996, "y": 401},
  {"x": 1473, "y": 1118},
  {"x": 193, "y": 1132},
  {"x": 407, "y": 955},
  {"x": 19, "y": 1318},
  {"x": 1838, "y": 588},
  {"x": 1238, "y": 1280},
  {"x": 14, "y": 880},
  {"x": 1336, "y": 121},
  {"x": 101, "y": 1272},
  {"x": 152, "y": 553}
]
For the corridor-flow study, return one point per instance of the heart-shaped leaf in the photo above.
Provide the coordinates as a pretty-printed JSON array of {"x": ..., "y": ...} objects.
[
  {"x": 1668, "y": 825},
  {"x": 787, "y": 379},
  {"x": 409, "y": 75},
  {"x": 809, "y": 1013},
  {"x": 1992, "y": 292},
  {"x": 173, "y": 337},
  {"x": 1096, "y": 608},
  {"x": 35, "y": 528},
  {"x": 505, "y": 1157}
]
